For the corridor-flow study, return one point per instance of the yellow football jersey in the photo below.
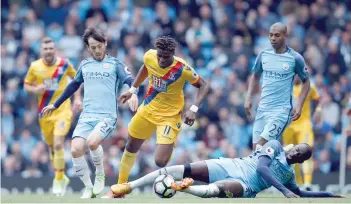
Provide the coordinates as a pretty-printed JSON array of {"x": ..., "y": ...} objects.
[
  {"x": 55, "y": 79},
  {"x": 165, "y": 95},
  {"x": 306, "y": 110}
]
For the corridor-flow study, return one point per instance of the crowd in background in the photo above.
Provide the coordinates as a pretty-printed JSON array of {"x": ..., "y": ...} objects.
[{"x": 219, "y": 38}]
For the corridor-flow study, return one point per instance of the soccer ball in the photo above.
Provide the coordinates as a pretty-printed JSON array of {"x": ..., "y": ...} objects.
[{"x": 162, "y": 186}]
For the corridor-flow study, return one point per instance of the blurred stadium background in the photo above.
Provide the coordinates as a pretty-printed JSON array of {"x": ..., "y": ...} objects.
[{"x": 220, "y": 38}]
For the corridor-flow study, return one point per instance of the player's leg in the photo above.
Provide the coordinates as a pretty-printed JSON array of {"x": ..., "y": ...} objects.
[
  {"x": 230, "y": 188},
  {"x": 257, "y": 130},
  {"x": 197, "y": 171},
  {"x": 307, "y": 136},
  {"x": 139, "y": 129},
  {"x": 61, "y": 128},
  {"x": 290, "y": 137},
  {"x": 80, "y": 164},
  {"x": 102, "y": 130}
]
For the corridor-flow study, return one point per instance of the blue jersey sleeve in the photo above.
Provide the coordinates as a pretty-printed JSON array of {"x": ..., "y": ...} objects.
[
  {"x": 123, "y": 72},
  {"x": 257, "y": 67},
  {"x": 271, "y": 149},
  {"x": 79, "y": 74},
  {"x": 300, "y": 67},
  {"x": 292, "y": 184}
]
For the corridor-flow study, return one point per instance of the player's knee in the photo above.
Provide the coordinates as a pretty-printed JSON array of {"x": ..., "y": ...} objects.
[
  {"x": 161, "y": 162},
  {"x": 76, "y": 152},
  {"x": 93, "y": 144},
  {"x": 58, "y": 146}
]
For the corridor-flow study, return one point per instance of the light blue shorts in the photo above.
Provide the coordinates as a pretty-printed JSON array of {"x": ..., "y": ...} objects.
[
  {"x": 270, "y": 125},
  {"x": 87, "y": 123},
  {"x": 227, "y": 169}
]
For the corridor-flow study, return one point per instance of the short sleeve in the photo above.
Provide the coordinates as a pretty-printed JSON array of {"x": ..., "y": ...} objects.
[
  {"x": 30, "y": 77},
  {"x": 79, "y": 75},
  {"x": 301, "y": 68},
  {"x": 123, "y": 72},
  {"x": 71, "y": 72},
  {"x": 272, "y": 149},
  {"x": 314, "y": 93},
  {"x": 257, "y": 67},
  {"x": 190, "y": 75}
]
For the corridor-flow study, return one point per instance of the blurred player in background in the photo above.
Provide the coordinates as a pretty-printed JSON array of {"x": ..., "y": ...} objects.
[
  {"x": 101, "y": 75},
  {"x": 162, "y": 108},
  {"x": 47, "y": 78},
  {"x": 239, "y": 177},
  {"x": 278, "y": 66},
  {"x": 300, "y": 131}
]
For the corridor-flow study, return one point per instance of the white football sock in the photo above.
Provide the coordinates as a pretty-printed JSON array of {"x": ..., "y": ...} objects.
[
  {"x": 82, "y": 170},
  {"x": 98, "y": 159},
  {"x": 203, "y": 191},
  {"x": 175, "y": 171}
]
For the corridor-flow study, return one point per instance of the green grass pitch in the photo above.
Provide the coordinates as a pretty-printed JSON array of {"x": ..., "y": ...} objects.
[{"x": 151, "y": 198}]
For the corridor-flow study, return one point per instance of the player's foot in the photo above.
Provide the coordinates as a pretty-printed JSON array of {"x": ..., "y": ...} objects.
[
  {"x": 99, "y": 183},
  {"x": 185, "y": 183},
  {"x": 121, "y": 189},
  {"x": 64, "y": 184},
  {"x": 57, "y": 187},
  {"x": 307, "y": 187},
  {"x": 88, "y": 193},
  {"x": 110, "y": 195}
]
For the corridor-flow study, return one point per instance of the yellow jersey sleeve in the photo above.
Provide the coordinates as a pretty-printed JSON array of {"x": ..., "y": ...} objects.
[
  {"x": 71, "y": 72},
  {"x": 190, "y": 75},
  {"x": 30, "y": 78},
  {"x": 314, "y": 93}
]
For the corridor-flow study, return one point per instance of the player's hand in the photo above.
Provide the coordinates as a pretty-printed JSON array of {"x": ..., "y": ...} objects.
[
  {"x": 47, "y": 110},
  {"x": 133, "y": 103},
  {"x": 124, "y": 97},
  {"x": 77, "y": 105},
  {"x": 39, "y": 89},
  {"x": 248, "y": 106},
  {"x": 189, "y": 118},
  {"x": 291, "y": 195},
  {"x": 296, "y": 113}
]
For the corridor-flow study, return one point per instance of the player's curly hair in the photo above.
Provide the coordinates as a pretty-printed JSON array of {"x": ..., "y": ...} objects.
[{"x": 166, "y": 43}]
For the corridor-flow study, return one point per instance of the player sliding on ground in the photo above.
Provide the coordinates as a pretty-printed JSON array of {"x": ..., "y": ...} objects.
[
  {"x": 278, "y": 66},
  {"x": 240, "y": 177},
  {"x": 162, "y": 108},
  {"x": 101, "y": 75}
]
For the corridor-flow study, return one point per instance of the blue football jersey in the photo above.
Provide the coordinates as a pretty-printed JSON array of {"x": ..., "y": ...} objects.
[
  {"x": 278, "y": 71},
  {"x": 101, "y": 81}
]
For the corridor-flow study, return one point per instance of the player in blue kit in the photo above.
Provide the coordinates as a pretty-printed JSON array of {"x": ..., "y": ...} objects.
[
  {"x": 277, "y": 66},
  {"x": 101, "y": 75},
  {"x": 268, "y": 166}
]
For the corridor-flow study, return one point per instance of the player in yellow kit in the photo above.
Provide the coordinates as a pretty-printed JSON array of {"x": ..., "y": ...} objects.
[
  {"x": 300, "y": 131},
  {"x": 47, "y": 78},
  {"x": 162, "y": 108}
]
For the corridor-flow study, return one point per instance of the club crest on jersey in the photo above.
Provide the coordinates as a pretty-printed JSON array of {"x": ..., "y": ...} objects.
[
  {"x": 188, "y": 68},
  {"x": 270, "y": 151},
  {"x": 106, "y": 66},
  {"x": 286, "y": 66},
  {"x": 178, "y": 125}
]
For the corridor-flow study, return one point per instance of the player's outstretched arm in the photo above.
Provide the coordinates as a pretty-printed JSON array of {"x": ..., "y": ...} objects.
[
  {"x": 141, "y": 76},
  {"x": 264, "y": 170},
  {"x": 69, "y": 90},
  {"x": 36, "y": 89},
  {"x": 204, "y": 88},
  {"x": 320, "y": 194}
]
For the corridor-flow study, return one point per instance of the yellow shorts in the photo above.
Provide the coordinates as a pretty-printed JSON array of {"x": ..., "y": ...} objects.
[
  {"x": 297, "y": 135},
  {"x": 57, "y": 126},
  {"x": 144, "y": 124}
]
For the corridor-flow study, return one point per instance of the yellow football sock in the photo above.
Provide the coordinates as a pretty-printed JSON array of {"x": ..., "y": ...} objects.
[
  {"x": 59, "y": 164},
  {"x": 298, "y": 176},
  {"x": 308, "y": 170},
  {"x": 127, "y": 162}
]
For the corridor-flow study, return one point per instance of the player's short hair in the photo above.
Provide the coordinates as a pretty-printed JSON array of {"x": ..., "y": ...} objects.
[
  {"x": 46, "y": 40},
  {"x": 95, "y": 33},
  {"x": 166, "y": 44}
]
